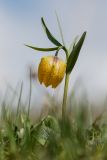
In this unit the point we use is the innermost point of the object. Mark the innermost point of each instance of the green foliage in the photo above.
(49, 139)
(75, 53)
(42, 49)
(49, 35)
(73, 44)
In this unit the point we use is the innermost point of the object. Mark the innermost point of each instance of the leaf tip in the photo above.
(42, 20)
(85, 33)
(26, 45)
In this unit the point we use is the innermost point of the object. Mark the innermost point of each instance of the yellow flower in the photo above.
(51, 71)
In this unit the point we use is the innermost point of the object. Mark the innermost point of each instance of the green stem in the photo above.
(65, 87)
(30, 93)
(65, 96)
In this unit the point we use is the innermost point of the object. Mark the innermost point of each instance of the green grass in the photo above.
(81, 137)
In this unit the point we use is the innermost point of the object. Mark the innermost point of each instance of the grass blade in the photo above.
(30, 93)
(19, 100)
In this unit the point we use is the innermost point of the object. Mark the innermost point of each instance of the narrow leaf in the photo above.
(42, 49)
(49, 35)
(60, 29)
(75, 53)
(73, 44)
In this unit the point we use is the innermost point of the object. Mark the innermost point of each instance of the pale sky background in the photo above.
(20, 23)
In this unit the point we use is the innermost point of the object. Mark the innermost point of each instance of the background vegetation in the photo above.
(26, 136)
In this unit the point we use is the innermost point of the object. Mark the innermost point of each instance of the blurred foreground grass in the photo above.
(82, 137)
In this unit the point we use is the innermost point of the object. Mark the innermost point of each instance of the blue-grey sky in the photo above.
(20, 23)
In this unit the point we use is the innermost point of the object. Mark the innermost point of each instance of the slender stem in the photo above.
(65, 96)
(66, 84)
(30, 92)
(19, 101)
(65, 88)
(56, 54)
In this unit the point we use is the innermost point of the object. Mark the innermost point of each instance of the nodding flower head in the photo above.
(51, 71)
